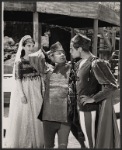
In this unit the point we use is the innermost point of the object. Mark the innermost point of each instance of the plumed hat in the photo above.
(81, 41)
(55, 47)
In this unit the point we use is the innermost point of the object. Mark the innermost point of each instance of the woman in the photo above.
(96, 87)
(25, 130)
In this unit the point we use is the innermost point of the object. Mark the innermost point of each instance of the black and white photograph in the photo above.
(61, 74)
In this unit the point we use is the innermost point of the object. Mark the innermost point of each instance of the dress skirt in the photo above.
(25, 130)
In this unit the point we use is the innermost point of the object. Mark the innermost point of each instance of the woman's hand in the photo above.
(86, 99)
(45, 53)
(24, 99)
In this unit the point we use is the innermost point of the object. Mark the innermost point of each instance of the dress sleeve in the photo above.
(37, 60)
(18, 70)
(105, 77)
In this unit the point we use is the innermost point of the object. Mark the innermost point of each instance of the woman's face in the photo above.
(29, 48)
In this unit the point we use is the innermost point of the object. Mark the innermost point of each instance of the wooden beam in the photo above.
(36, 29)
(108, 15)
(19, 6)
(94, 46)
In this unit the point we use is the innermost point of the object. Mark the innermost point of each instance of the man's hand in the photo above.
(85, 100)
(24, 99)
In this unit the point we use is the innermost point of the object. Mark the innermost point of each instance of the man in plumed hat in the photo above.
(95, 86)
(56, 106)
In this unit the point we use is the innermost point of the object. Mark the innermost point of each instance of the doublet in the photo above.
(56, 94)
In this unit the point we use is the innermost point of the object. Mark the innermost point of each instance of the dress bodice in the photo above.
(23, 69)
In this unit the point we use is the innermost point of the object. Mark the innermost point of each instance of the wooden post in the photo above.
(40, 34)
(3, 23)
(36, 29)
(94, 47)
(72, 32)
(107, 40)
(101, 47)
(113, 39)
(119, 65)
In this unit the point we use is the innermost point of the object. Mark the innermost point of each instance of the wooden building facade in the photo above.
(66, 14)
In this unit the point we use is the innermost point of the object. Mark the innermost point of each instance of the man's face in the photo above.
(75, 53)
(58, 57)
